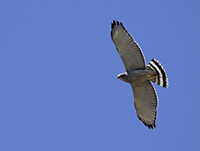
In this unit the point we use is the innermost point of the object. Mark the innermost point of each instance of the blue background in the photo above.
(58, 75)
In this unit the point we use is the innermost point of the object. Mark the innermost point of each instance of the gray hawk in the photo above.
(139, 75)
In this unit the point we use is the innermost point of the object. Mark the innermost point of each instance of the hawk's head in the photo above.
(123, 76)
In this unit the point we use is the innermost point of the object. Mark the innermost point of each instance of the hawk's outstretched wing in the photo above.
(128, 49)
(146, 102)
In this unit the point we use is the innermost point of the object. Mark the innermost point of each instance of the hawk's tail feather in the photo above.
(161, 78)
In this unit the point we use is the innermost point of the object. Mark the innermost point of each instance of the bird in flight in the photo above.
(139, 75)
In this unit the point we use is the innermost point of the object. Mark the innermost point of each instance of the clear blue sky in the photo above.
(58, 75)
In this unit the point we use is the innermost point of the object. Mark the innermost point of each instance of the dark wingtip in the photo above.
(150, 126)
(113, 24)
(116, 22)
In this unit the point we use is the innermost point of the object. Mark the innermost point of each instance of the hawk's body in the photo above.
(138, 74)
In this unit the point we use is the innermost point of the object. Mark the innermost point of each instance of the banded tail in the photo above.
(161, 78)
